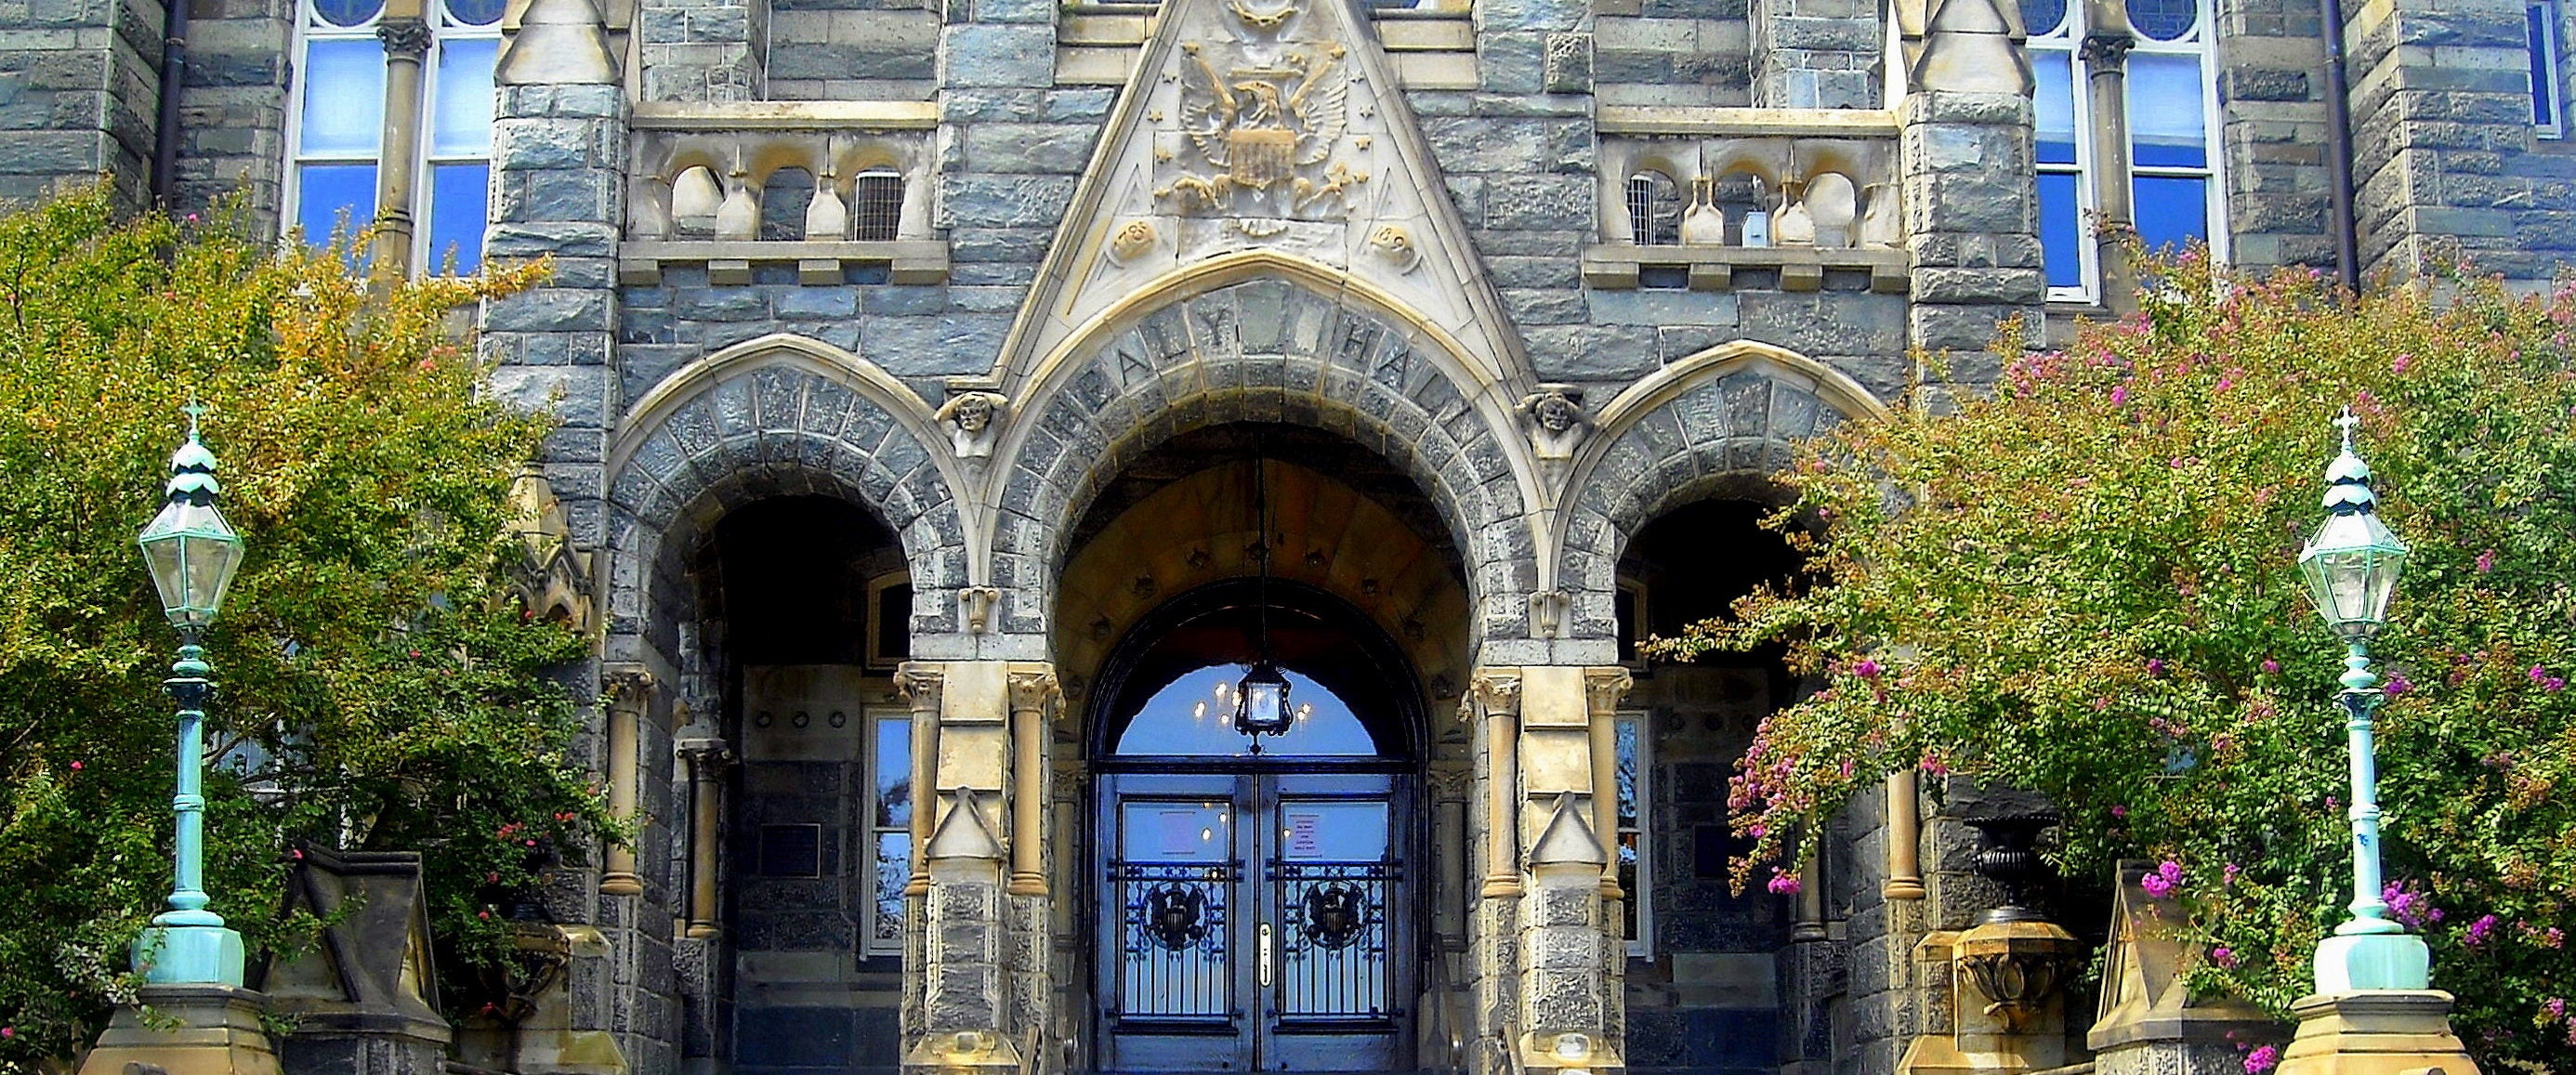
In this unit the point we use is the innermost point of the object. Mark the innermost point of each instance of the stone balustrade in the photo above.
(1698, 197)
(825, 186)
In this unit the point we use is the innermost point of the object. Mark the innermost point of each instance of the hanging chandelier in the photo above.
(1261, 704)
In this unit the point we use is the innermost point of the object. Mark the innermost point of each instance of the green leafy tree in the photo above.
(377, 686)
(2082, 584)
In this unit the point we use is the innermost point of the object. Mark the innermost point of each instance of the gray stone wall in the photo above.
(79, 88)
(852, 50)
(232, 107)
(2272, 93)
(1674, 52)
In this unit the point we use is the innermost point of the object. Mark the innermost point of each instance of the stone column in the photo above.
(708, 759)
(1498, 696)
(1031, 913)
(1602, 690)
(630, 697)
(2106, 68)
(1565, 1011)
(1033, 694)
(1493, 701)
(920, 683)
(406, 38)
(1904, 837)
(1974, 252)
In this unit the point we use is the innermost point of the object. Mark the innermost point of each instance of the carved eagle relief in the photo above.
(1264, 125)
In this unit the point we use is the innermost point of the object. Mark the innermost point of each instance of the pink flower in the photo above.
(2155, 666)
(2164, 882)
(1935, 766)
(2398, 684)
(2480, 930)
(2118, 810)
(2229, 874)
(8, 1031)
(2556, 1007)
(2271, 667)
(76, 767)
(2223, 956)
(2262, 1060)
(1866, 669)
(2402, 362)
(1782, 884)
(2486, 561)
(2119, 395)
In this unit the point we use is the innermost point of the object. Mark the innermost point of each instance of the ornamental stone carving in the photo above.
(1262, 119)
(1556, 423)
(973, 420)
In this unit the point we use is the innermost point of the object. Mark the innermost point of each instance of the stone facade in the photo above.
(1478, 293)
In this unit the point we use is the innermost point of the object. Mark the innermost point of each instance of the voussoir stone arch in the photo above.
(1723, 417)
(780, 415)
(1270, 348)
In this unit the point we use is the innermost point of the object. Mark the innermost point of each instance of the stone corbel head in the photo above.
(974, 421)
(1555, 420)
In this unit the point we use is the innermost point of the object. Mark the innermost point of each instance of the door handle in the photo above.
(1264, 955)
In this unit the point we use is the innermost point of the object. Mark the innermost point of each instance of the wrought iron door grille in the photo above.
(1333, 940)
(1175, 960)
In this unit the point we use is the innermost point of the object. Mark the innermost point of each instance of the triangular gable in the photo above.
(1263, 125)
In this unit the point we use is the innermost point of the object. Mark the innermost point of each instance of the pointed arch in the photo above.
(1731, 411)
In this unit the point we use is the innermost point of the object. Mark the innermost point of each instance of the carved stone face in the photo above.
(1556, 414)
(974, 412)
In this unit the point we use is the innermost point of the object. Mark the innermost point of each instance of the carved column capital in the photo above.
(1604, 688)
(404, 38)
(627, 687)
(1033, 689)
(921, 683)
(1496, 691)
(2106, 48)
(707, 758)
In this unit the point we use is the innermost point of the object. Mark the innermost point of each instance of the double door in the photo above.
(1254, 921)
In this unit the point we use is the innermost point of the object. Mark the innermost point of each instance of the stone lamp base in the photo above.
(2376, 1032)
(218, 1034)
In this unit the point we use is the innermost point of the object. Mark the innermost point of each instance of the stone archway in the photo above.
(1730, 413)
(1269, 350)
(782, 415)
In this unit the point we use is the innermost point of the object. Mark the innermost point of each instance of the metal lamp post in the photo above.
(192, 554)
(2350, 568)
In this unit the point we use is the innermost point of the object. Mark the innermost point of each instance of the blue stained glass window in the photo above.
(2164, 20)
(461, 123)
(2170, 209)
(2060, 228)
(458, 199)
(2039, 17)
(328, 191)
(475, 12)
(344, 97)
(2055, 100)
(347, 12)
(2168, 120)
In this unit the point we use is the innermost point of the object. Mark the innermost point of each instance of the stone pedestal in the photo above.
(357, 998)
(218, 1034)
(2149, 1023)
(2376, 1032)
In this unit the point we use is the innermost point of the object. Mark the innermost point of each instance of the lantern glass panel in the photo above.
(192, 553)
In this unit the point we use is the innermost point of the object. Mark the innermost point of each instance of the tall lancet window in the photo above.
(2170, 128)
(338, 136)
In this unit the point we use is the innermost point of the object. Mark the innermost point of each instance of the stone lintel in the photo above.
(1729, 122)
(786, 116)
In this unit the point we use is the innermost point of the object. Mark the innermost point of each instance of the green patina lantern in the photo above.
(2351, 565)
(192, 551)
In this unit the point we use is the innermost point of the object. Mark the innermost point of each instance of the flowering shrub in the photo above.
(376, 688)
(2082, 584)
